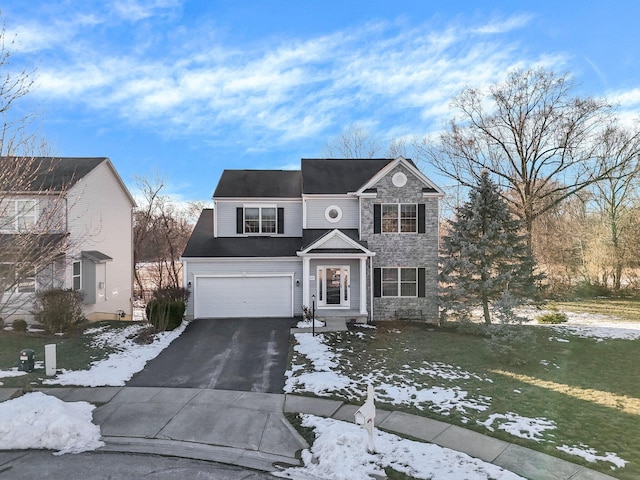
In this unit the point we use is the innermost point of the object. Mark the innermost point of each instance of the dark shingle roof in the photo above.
(336, 176)
(45, 173)
(259, 184)
(203, 244)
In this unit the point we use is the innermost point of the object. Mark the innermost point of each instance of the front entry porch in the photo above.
(335, 278)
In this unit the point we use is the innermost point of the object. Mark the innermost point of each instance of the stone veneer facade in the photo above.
(404, 249)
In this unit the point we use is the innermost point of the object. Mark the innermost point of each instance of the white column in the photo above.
(363, 286)
(305, 281)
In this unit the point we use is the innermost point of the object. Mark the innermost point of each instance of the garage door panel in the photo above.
(264, 296)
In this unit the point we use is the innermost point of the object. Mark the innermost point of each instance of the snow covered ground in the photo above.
(327, 374)
(36, 420)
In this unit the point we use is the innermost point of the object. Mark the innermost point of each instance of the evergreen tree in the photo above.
(486, 260)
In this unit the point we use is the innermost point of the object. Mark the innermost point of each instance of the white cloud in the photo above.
(285, 91)
(135, 10)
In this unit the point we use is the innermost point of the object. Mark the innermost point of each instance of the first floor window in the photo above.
(77, 275)
(399, 282)
(7, 276)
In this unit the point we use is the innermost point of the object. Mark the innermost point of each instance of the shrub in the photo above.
(586, 289)
(511, 344)
(19, 325)
(552, 318)
(166, 310)
(58, 310)
(165, 314)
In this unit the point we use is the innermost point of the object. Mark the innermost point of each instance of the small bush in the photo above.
(552, 318)
(59, 310)
(19, 325)
(165, 314)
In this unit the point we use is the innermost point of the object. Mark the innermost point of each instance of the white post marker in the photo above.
(366, 416)
(50, 359)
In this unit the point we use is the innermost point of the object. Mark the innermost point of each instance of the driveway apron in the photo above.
(238, 354)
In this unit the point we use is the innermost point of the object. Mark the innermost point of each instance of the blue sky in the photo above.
(184, 89)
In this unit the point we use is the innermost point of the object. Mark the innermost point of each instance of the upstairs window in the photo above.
(260, 220)
(399, 218)
(18, 215)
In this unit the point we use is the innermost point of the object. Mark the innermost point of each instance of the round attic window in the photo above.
(333, 213)
(399, 179)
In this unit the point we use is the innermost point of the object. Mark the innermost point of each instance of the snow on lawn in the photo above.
(590, 455)
(36, 420)
(589, 325)
(518, 426)
(120, 366)
(326, 458)
(14, 372)
(325, 379)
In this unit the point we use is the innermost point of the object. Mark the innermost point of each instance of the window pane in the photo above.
(252, 220)
(6, 276)
(408, 290)
(268, 220)
(408, 218)
(389, 274)
(7, 215)
(76, 268)
(408, 274)
(26, 214)
(390, 289)
(389, 218)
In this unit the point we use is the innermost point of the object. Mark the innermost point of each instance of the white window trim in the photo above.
(16, 214)
(328, 210)
(398, 282)
(73, 276)
(259, 207)
(399, 212)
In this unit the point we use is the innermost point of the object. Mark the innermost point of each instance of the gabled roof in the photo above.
(338, 176)
(46, 173)
(335, 241)
(259, 184)
(203, 244)
(429, 189)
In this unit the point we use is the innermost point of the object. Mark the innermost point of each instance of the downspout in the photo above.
(371, 289)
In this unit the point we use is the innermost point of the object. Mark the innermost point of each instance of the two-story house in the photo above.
(65, 223)
(355, 238)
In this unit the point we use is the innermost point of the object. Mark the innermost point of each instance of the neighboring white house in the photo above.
(355, 237)
(91, 230)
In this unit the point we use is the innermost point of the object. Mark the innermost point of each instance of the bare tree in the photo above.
(618, 151)
(534, 137)
(33, 237)
(161, 232)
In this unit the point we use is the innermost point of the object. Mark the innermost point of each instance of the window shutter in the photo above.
(377, 218)
(280, 220)
(239, 220)
(422, 290)
(377, 282)
(421, 218)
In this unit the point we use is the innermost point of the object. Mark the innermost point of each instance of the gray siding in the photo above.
(404, 250)
(316, 208)
(226, 216)
(246, 266)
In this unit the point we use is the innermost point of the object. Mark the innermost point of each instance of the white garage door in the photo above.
(223, 297)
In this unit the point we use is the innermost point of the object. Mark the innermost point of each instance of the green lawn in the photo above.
(589, 389)
(627, 309)
(73, 351)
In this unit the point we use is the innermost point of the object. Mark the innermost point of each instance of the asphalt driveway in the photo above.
(225, 354)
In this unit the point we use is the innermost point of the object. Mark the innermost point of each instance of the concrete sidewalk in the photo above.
(250, 430)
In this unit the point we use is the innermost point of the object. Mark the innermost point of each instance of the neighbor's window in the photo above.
(77, 275)
(17, 215)
(260, 220)
(26, 279)
(399, 218)
(7, 276)
(399, 282)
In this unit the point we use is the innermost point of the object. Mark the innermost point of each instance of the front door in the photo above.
(333, 286)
